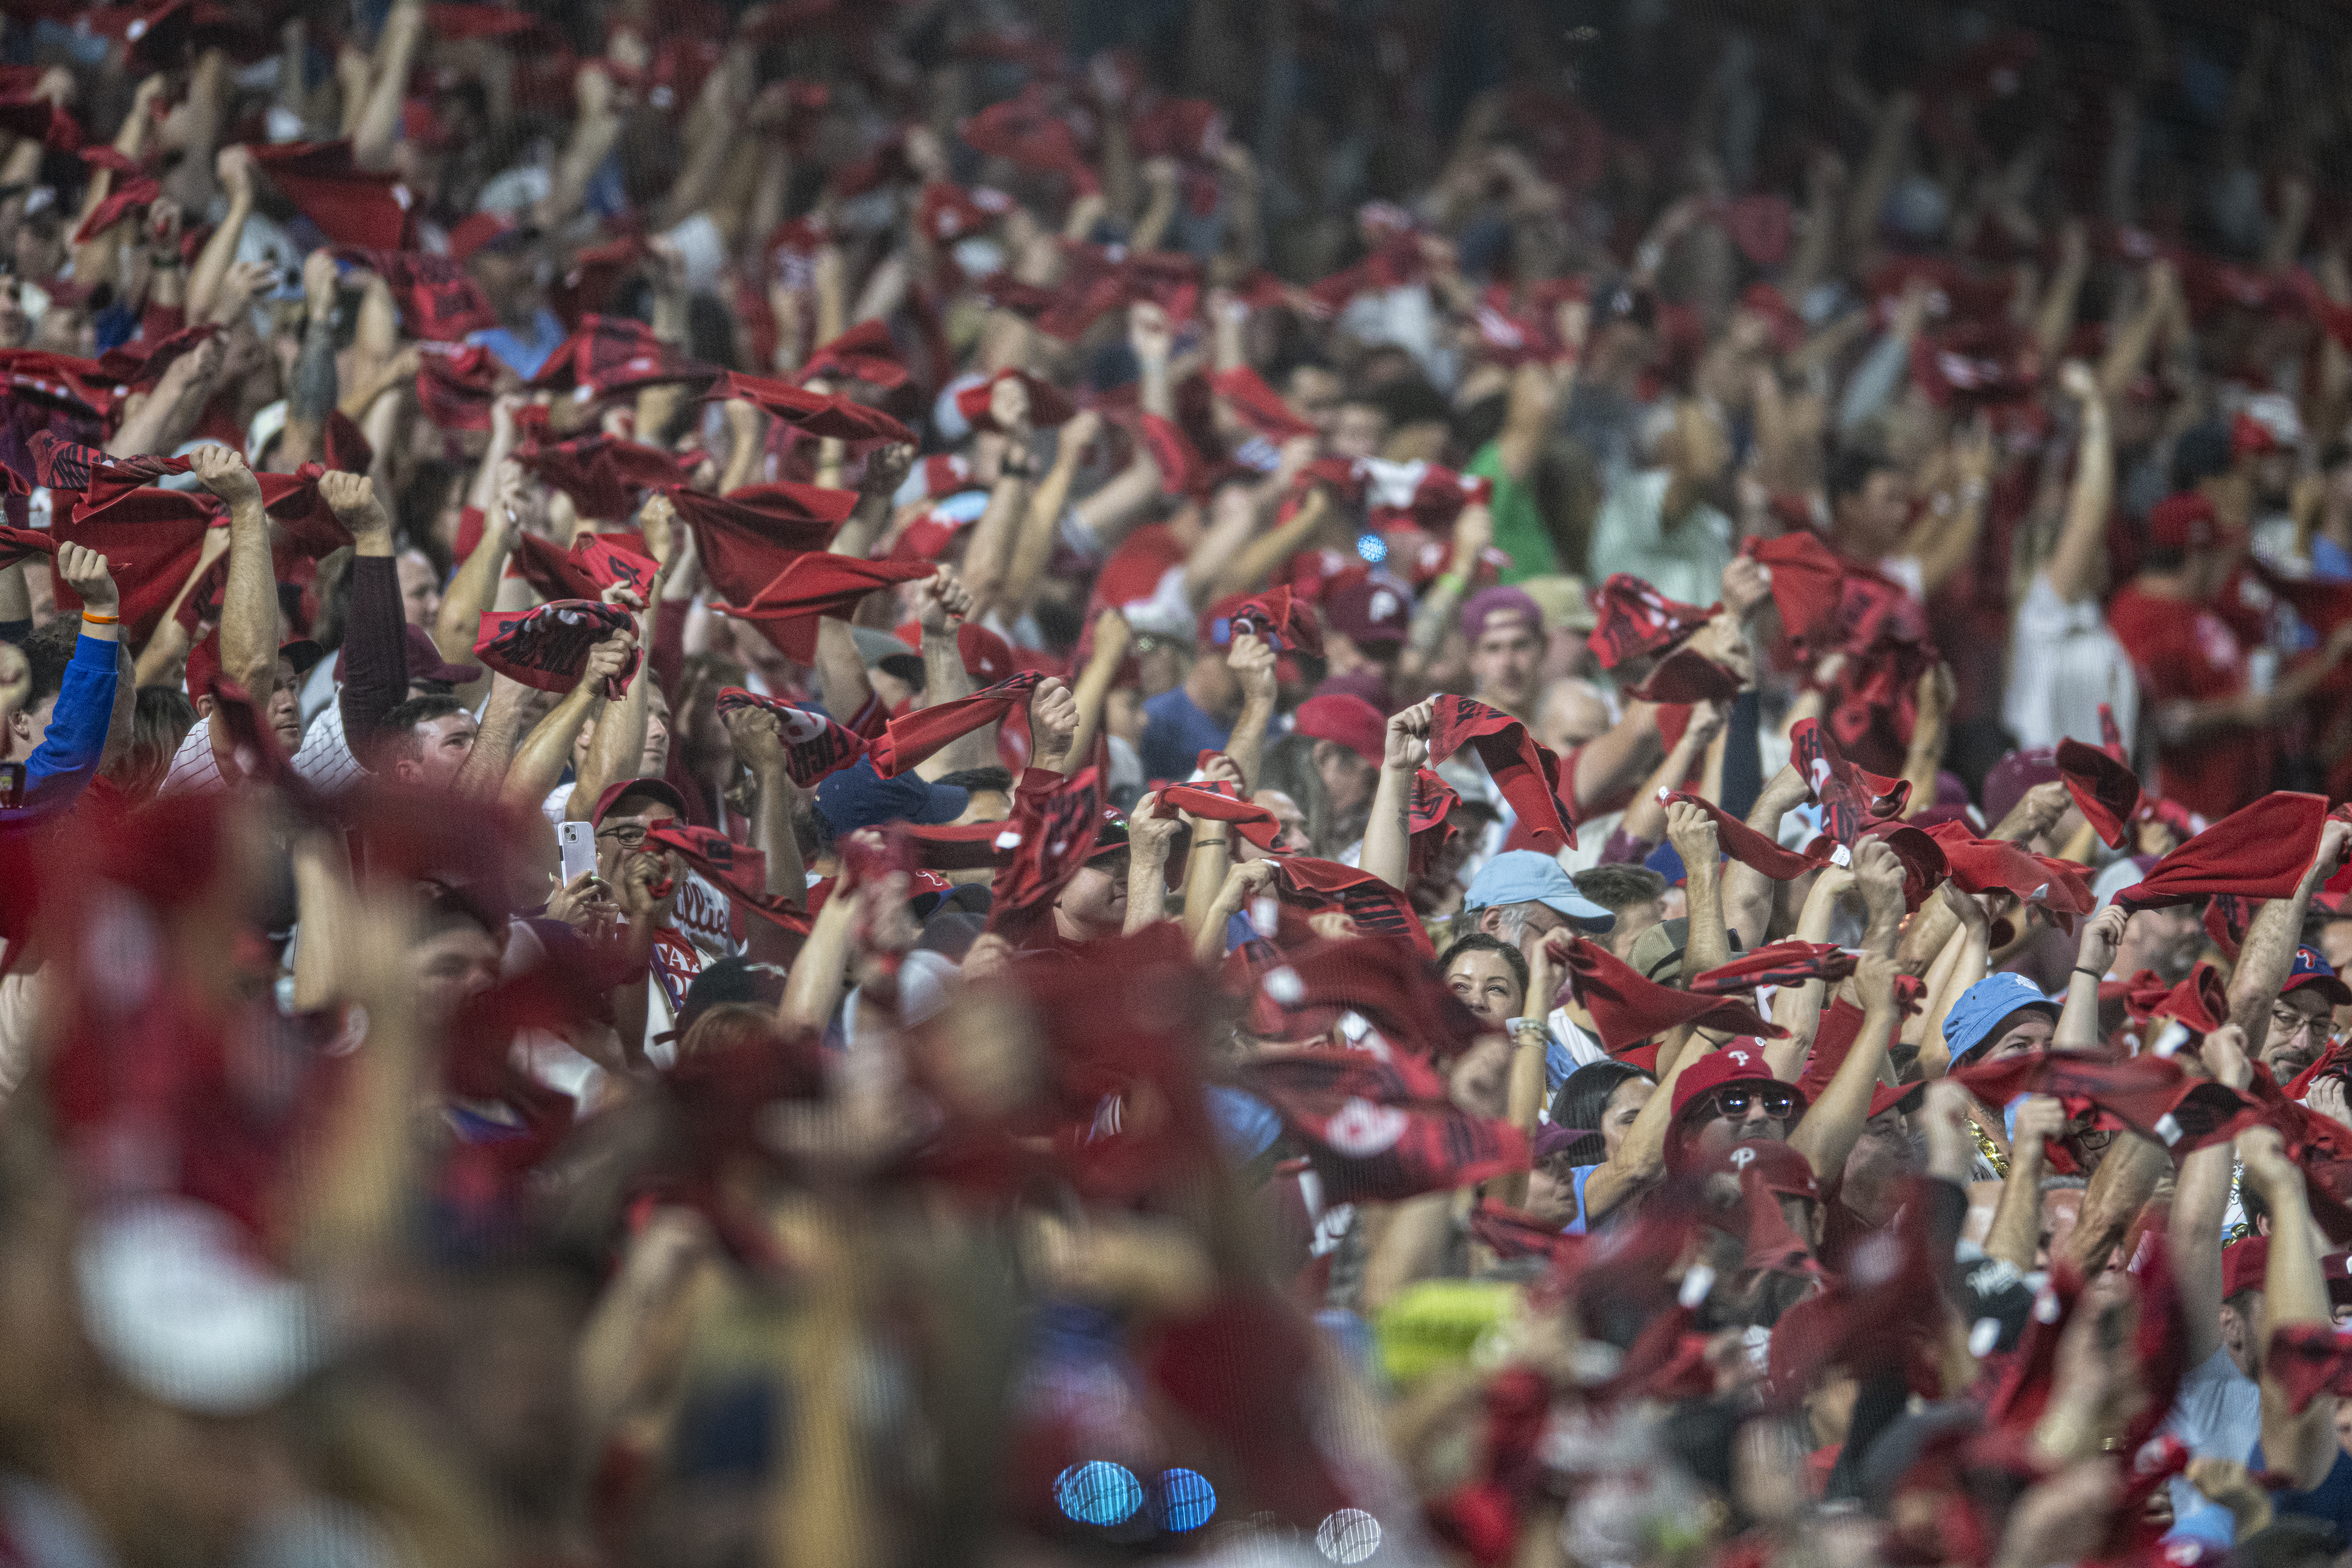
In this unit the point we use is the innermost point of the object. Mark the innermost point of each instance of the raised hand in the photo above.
(224, 472)
(941, 600)
(85, 571)
(351, 497)
(1252, 661)
(1408, 737)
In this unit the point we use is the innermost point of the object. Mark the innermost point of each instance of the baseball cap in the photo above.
(482, 230)
(1526, 877)
(1741, 1061)
(1488, 603)
(1889, 1097)
(1110, 838)
(2184, 521)
(1977, 1016)
(614, 793)
(425, 663)
(1780, 1168)
(204, 660)
(1369, 612)
(2244, 1265)
(2014, 774)
(2312, 970)
(1349, 721)
(857, 797)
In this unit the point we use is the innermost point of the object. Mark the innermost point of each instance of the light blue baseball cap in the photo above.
(1525, 877)
(1974, 1018)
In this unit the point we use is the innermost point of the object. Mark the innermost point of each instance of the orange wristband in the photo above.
(102, 620)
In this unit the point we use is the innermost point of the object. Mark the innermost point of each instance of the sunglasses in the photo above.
(1777, 1103)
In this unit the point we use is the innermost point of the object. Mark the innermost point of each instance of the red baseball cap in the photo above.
(2185, 521)
(1368, 612)
(2244, 1265)
(481, 230)
(204, 660)
(1780, 1168)
(656, 789)
(1740, 1061)
(1349, 721)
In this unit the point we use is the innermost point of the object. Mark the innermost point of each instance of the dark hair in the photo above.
(1409, 401)
(1479, 942)
(1851, 468)
(813, 831)
(49, 650)
(1582, 1099)
(2201, 452)
(1618, 887)
(161, 718)
(972, 780)
(400, 736)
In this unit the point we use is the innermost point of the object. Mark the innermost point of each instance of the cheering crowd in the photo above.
(933, 783)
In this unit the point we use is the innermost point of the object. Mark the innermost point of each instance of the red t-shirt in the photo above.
(2183, 651)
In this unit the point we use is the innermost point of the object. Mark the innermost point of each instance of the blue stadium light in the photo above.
(1187, 1498)
(1372, 548)
(1098, 1493)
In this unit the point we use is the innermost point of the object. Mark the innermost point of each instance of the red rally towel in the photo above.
(814, 746)
(547, 647)
(1527, 773)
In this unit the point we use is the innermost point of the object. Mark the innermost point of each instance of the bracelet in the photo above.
(1453, 582)
(1517, 1025)
(170, 260)
(102, 620)
(1202, 843)
(2091, 972)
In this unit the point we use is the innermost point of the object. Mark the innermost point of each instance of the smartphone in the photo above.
(12, 785)
(578, 840)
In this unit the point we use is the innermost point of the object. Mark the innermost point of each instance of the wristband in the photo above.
(155, 259)
(1453, 582)
(102, 620)
(2091, 972)
(1516, 1025)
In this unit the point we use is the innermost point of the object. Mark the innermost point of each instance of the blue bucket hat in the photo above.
(1976, 1017)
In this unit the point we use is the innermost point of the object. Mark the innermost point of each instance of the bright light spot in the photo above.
(1098, 1493)
(1349, 1535)
(1372, 548)
(1188, 1498)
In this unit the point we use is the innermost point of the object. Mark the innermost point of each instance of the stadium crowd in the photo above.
(1338, 780)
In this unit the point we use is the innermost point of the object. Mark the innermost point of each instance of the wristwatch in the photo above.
(1516, 1025)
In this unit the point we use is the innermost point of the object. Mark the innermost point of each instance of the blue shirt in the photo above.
(1175, 733)
(65, 762)
(523, 355)
(2331, 1499)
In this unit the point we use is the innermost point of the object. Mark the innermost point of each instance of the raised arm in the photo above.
(375, 652)
(248, 626)
(395, 49)
(616, 750)
(2302, 1446)
(1032, 544)
(1747, 893)
(2200, 1198)
(539, 763)
(2083, 539)
(760, 743)
(474, 587)
(941, 601)
(2269, 951)
(1387, 833)
(1834, 1122)
(1252, 662)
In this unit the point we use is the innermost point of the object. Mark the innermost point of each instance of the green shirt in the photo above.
(1519, 530)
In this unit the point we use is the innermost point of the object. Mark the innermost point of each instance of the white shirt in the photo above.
(2063, 663)
(325, 758)
(2219, 1414)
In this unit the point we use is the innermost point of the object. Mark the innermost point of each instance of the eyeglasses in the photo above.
(2287, 1023)
(1777, 1103)
(628, 835)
